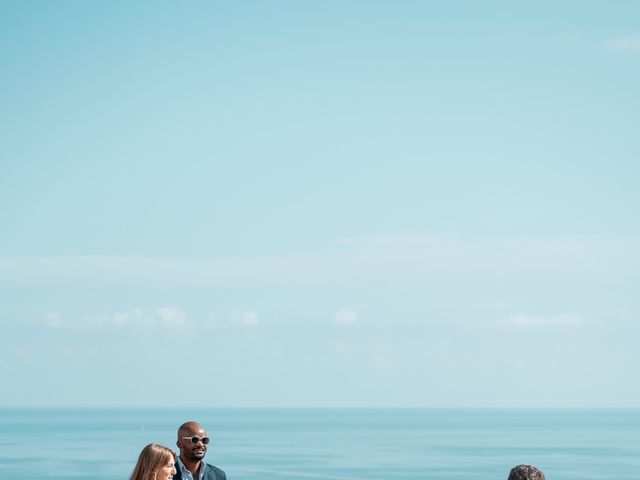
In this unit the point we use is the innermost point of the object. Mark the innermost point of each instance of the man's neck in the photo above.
(193, 467)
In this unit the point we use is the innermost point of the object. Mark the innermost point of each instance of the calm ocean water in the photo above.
(341, 444)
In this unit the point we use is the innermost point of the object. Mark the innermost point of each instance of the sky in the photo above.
(320, 204)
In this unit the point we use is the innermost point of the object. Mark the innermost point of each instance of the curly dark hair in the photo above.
(525, 472)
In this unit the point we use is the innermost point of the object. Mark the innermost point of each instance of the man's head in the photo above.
(525, 472)
(192, 441)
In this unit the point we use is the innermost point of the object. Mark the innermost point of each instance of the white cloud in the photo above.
(53, 320)
(345, 316)
(630, 43)
(210, 321)
(169, 317)
(562, 320)
(247, 318)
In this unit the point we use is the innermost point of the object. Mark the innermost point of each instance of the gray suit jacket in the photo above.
(210, 473)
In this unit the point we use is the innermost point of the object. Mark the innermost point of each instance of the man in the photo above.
(192, 442)
(525, 472)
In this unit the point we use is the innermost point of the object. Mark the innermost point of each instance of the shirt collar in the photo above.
(187, 473)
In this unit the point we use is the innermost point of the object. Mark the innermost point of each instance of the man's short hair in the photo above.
(525, 472)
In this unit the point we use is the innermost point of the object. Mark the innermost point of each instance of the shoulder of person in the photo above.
(219, 474)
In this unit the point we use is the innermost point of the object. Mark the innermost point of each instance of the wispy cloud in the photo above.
(523, 321)
(378, 256)
(246, 318)
(54, 320)
(630, 43)
(345, 316)
(169, 317)
(494, 306)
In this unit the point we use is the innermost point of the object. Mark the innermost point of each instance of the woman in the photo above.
(155, 463)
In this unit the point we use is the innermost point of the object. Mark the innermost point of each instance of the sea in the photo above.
(332, 444)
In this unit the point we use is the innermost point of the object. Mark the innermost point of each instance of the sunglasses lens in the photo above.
(205, 440)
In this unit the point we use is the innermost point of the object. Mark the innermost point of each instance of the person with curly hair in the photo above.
(525, 472)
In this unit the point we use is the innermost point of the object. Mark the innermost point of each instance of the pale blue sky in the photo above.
(320, 203)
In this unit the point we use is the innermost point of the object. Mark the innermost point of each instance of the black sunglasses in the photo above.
(194, 440)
